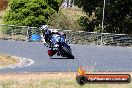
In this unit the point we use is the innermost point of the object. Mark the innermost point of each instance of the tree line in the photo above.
(30, 12)
(118, 15)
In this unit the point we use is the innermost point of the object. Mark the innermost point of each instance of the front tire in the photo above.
(67, 52)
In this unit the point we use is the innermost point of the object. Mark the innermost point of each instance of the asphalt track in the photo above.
(93, 58)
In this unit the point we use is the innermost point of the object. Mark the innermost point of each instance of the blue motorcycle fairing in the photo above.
(55, 39)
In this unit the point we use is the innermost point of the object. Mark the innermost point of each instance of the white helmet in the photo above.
(44, 27)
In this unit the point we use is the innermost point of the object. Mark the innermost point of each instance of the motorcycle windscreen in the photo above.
(57, 38)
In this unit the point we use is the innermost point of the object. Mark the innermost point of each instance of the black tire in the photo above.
(70, 57)
(81, 80)
(67, 52)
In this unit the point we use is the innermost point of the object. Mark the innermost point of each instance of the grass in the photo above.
(73, 13)
(1, 18)
(1, 15)
(49, 80)
(13, 37)
(6, 60)
(72, 16)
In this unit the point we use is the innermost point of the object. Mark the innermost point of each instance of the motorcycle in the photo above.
(60, 46)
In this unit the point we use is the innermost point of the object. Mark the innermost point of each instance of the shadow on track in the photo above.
(61, 58)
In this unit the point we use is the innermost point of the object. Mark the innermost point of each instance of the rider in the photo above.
(47, 33)
(46, 37)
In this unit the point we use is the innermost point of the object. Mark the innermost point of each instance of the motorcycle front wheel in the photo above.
(67, 52)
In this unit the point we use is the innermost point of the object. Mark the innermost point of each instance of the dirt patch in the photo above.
(6, 60)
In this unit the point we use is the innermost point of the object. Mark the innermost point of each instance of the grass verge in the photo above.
(49, 80)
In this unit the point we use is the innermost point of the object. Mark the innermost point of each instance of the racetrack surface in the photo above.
(93, 58)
